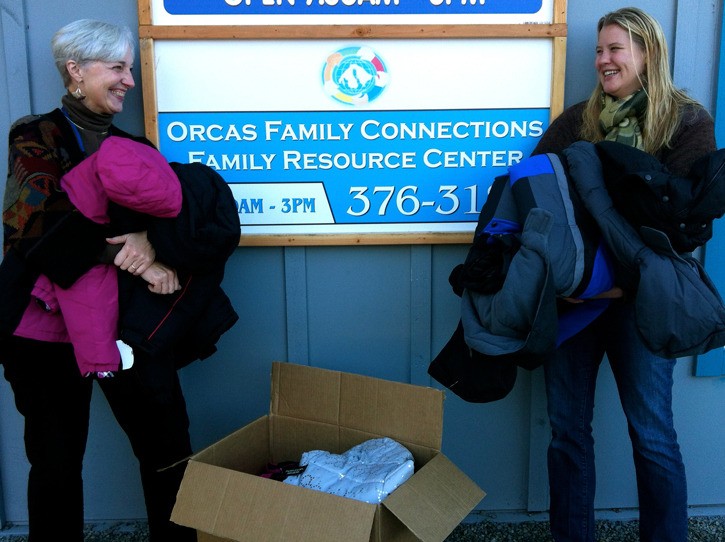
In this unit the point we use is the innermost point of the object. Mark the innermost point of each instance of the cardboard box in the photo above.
(224, 499)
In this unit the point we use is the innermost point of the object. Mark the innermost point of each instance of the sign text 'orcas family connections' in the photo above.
(355, 168)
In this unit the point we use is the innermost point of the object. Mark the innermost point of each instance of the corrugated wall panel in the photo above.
(377, 310)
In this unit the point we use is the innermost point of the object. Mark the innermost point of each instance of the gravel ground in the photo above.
(702, 529)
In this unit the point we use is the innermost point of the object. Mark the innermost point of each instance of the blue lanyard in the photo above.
(75, 130)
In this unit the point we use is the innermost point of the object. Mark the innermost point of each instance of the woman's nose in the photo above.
(128, 79)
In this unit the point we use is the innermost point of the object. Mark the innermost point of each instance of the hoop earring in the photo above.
(78, 93)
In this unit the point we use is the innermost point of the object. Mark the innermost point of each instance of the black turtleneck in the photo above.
(93, 127)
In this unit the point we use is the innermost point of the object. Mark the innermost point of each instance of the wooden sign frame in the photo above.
(149, 33)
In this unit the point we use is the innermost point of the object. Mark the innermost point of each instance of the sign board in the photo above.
(350, 121)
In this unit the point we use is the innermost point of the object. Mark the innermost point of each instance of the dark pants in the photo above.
(55, 400)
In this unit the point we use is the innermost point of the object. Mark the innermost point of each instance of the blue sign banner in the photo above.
(350, 7)
(359, 167)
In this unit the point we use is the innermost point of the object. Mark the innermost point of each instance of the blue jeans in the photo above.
(644, 382)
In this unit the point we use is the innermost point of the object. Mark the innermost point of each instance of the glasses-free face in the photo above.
(619, 62)
(104, 83)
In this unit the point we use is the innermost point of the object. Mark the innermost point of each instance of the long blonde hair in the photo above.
(665, 102)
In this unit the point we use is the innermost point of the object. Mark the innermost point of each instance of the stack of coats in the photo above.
(573, 226)
(191, 220)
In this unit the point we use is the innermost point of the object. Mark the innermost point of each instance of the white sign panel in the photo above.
(376, 136)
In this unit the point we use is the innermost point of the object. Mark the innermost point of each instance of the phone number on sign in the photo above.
(405, 200)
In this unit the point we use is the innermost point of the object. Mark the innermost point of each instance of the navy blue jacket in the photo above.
(678, 310)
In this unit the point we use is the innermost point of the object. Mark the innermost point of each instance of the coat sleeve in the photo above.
(523, 313)
(206, 231)
(694, 139)
(40, 222)
(562, 132)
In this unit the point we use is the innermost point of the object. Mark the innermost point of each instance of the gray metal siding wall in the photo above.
(376, 310)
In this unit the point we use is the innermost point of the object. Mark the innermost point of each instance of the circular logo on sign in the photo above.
(354, 75)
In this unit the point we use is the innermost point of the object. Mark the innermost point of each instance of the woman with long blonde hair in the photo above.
(635, 103)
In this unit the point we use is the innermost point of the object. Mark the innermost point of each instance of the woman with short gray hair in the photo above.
(44, 235)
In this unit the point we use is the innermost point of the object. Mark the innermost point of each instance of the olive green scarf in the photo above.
(620, 118)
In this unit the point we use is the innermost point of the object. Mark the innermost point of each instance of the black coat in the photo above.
(186, 325)
(678, 310)
(508, 317)
(646, 193)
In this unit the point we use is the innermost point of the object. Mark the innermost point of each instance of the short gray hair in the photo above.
(87, 40)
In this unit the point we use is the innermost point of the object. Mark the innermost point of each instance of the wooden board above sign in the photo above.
(341, 122)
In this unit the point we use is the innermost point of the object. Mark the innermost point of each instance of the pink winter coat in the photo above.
(135, 176)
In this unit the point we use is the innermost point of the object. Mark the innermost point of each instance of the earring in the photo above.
(78, 93)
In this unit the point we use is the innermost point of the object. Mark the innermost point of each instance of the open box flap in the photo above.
(403, 412)
(435, 500)
(241, 507)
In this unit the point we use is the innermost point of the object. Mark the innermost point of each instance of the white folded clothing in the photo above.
(367, 472)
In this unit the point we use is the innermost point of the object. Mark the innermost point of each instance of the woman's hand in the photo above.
(137, 253)
(161, 279)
